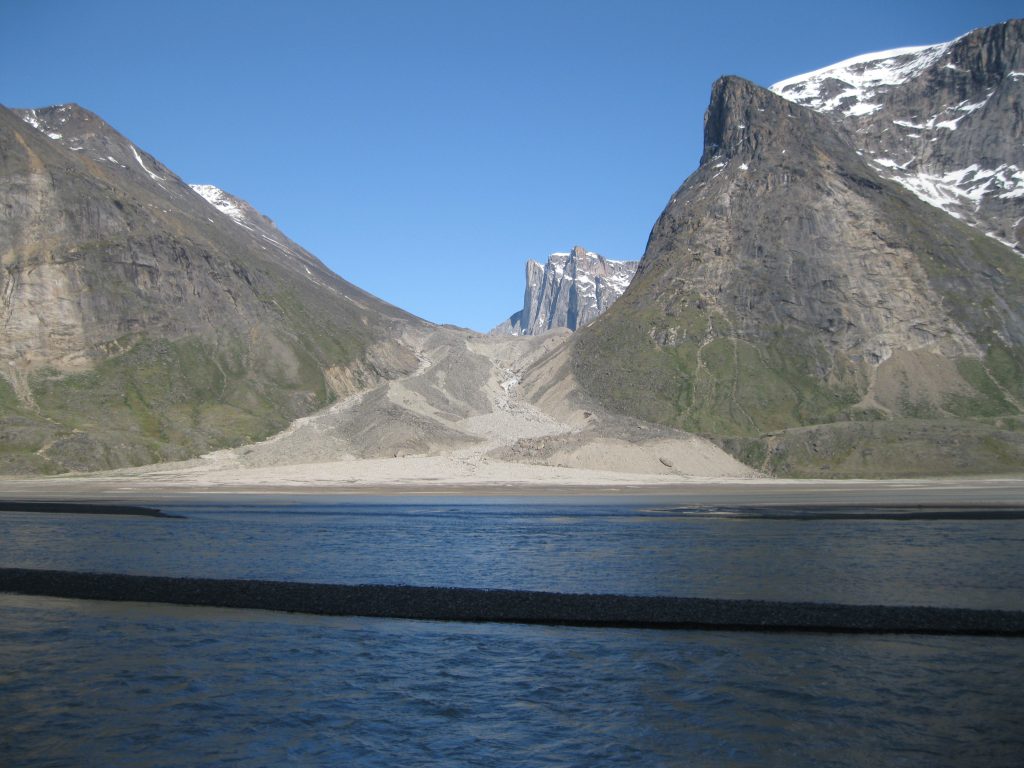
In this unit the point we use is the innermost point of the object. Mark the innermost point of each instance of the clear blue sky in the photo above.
(425, 150)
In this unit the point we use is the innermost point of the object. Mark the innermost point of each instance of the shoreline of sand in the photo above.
(427, 478)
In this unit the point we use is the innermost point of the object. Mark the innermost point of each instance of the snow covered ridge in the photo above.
(852, 85)
(220, 200)
(938, 120)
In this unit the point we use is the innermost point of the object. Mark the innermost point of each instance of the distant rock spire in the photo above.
(569, 291)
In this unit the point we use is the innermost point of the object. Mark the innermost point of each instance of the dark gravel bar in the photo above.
(81, 508)
(514, 606)
(807, 513)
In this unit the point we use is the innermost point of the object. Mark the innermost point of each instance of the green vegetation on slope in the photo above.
(887, 449)
(682, 368)
(170, 400)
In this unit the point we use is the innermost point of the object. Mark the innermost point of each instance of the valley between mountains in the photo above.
(836, 292)
(479, 412)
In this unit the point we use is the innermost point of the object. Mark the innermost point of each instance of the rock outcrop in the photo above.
(138, 322)
(789, 284)
(945, 121)
(569, 291)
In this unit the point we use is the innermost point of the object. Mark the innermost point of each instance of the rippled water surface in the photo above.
(562, 547)
(109, 684)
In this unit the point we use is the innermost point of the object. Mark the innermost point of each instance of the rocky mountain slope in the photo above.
(569, 291)
(142, 319)
(814, 316)
(945, 121)
(146, 320)
(468, 415)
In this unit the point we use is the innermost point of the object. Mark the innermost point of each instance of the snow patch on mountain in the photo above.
(138, 158)
(267, 236)
(30, 117)
(220, 200)
(937, 119)
(953, 189)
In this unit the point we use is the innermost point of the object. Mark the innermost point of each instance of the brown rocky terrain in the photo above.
(788, 284)
(147, 320)
(138, 322)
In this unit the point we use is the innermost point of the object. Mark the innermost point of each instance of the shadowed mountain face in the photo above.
(788, 284)
(142, 319)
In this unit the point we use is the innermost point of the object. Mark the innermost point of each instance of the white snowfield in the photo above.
(863, 77)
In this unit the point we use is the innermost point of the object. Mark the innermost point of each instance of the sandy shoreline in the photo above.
(309, 486)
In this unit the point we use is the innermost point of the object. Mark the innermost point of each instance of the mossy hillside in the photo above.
(988, 398)
(981, 282)
(645, 379)
(168, 400)
(9, 401)
(316, 342)
(887, 449)
(1005, 365)
(23, 433)
(755, 402)
(682, 368)
(175, 399)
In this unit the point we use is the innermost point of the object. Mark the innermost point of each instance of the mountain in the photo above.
(142, 319)
(945, 121)
(813, 316)
(569, 291)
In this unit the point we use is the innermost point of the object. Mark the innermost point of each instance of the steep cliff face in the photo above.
(569, 291)
(788, 284)
(138, 322)
(945, 121)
